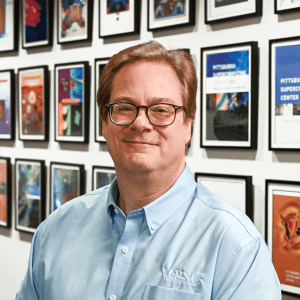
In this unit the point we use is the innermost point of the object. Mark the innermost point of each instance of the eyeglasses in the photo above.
(159, 114)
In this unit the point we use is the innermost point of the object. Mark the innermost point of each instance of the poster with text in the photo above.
(285, 95)
(227, 97)
(33, 103)
(6, 105)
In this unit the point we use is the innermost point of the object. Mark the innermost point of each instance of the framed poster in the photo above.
(30, 194)
(229, 99)
(34, 103)
(227, 10)
(102, 176)
(37, 23)
(119, 17)
(283, 231)
(7, 105)
(9, 11)
(72, 102)
(170, 13)
(99, 66)
(5, 192)
(75, 20)
(66, 183)
(284, 94)
(285, 6)
(234, 189)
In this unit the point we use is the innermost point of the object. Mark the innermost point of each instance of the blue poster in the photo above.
(287, 75)
(228, 64)
(35, 20)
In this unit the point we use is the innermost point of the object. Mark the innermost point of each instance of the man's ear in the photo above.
(104, 129)
(188, 127)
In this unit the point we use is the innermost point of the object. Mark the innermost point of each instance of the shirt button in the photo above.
(116, 211)
(125, 250)
(113, 297)
(153, 226)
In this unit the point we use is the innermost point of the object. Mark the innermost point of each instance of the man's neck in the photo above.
(137, 190)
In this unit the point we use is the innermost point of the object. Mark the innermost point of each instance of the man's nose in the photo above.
(142, 122)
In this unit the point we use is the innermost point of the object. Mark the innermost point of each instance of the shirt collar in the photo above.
(160, 210)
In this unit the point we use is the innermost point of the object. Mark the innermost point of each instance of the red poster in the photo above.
(3, 197)
(286, 238)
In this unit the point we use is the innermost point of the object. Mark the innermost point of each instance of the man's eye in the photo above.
(161, 109)
(124, 108)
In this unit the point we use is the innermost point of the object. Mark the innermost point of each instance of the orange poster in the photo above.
(3, 197)
(286, 237)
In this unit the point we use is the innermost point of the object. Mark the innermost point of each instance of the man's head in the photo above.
(143, 78)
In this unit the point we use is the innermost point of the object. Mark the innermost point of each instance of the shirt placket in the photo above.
(123, 257)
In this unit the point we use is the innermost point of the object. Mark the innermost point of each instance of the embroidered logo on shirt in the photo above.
(182, 276)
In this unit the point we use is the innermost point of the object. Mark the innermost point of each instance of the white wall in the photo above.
(261, 164)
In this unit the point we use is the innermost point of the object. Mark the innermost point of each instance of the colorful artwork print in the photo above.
(70, 106)
(29, 195)
(7, 25)
(36, 20)
(104, 178)
(2, 18)
(219, 3)
(5, 106)
(73, 18)
(32, 102)
(65, 186)
(117, 6)
(3, 191)
(100, 69)
(286, 238)
(166, 9)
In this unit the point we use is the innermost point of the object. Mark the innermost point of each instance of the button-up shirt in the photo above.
(187, 244)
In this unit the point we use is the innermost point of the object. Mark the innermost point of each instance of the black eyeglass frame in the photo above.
(108, 106)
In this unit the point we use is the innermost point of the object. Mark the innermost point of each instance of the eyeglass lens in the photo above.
(159, 114)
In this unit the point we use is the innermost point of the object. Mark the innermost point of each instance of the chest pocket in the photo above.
(162, 293)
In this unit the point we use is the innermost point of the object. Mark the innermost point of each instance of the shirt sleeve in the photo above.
(29, 286)
(247, 274)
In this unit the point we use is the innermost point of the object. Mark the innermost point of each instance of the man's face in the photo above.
(142, 147)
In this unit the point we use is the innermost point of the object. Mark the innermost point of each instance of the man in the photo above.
(154, 233)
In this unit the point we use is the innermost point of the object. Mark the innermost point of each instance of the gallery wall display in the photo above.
(5, 192)
(284, 94)
(72, 100)
(119, 17)
(99, 66)
(9, 10)
(30, 194)
(34, 103)
(286, 6)
(283, 231)
(234, 189)
(66, 183)
(102, 176)
(37, 23)
(170, 14)
(227, 10)
(7, 105)
(75, 20)
(229, 98)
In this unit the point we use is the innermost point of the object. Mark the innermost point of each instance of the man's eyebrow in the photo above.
(152, 100)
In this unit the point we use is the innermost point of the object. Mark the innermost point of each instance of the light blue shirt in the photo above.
(187, 244)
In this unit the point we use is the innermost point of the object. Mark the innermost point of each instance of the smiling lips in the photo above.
(140, 143)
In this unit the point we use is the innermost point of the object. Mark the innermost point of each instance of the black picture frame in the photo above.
(33, 103)
(284, 102)
(7, 104)
(282, 207)
(37, 24)
(75, 22)
(5, 192)
(102, 176)
(116, 20)
(10, 31)
(72, 113)
(241, 197)
(100, 63)
(229, 96)
(282, 8)
(30, 179)
(223, 12)
(165, 15)
(73, 183)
